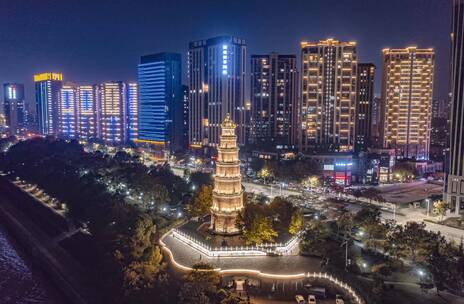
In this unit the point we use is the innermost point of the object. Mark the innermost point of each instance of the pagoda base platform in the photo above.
(197, 235)
(201, 231)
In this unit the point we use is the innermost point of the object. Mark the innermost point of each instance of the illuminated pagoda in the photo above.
(227, 192)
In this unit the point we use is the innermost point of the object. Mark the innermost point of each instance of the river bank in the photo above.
(61, 269)
(20, 280)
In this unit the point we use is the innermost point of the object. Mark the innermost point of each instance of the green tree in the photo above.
(345, 224)
(440, 208)
(374, 235)
(201, 203)
(259, 231)
(367, 215)
(314, 239)
(200, 285)
(296, 223)
(142, 274)
(404, 171)
(282, 210)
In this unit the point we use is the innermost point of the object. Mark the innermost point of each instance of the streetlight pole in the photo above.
(346, 255)
(428, 206)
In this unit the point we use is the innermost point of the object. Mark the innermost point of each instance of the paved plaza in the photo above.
(288, 265)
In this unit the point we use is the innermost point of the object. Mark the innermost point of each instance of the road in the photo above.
(402, 216)
(270, 191)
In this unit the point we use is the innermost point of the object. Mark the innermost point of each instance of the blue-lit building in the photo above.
(160, 110)
(13, 107)
(132, 111)
(185, 116)
(47, 95)
(67, 112)
(216, 71)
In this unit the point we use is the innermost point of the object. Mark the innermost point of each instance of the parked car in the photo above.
(311, 299)
(318, 291)
(299, 299)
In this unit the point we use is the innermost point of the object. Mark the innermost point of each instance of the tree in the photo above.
(314, 239)
(200, 285)
(313, 181)
(160, 194)
(367, 215)
(439, 208)
(198, 179)
(296, 223)
(260, 231)
(265, 173)
(345, 225)
(374, 235)
(142, 274)
(445, 267)
(282, 210)
(201, 203)
(412, 241)
(404, 171)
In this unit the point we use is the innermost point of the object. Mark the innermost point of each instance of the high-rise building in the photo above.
(161, 101)
(365, 98)
(14, 107)
(328, 96)
(67, 112)
(185, 116)
(407, 86)
(440, 108)
(47, 95)
(87, 108)
(112, 112)
(274, 99)
(454, 189)
(216, 70)
(132, 111)
(375, 122)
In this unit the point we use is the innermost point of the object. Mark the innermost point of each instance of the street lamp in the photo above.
(428, 206)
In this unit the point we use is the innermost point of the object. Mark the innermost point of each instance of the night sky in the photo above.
(91, 41)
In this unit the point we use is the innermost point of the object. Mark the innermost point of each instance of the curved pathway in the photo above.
(290, 267)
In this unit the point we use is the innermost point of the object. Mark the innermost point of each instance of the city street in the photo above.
(402, 216)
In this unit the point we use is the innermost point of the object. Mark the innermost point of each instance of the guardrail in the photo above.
(299, 276)
(231, 251)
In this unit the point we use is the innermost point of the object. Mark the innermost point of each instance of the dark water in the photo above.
(20, 281)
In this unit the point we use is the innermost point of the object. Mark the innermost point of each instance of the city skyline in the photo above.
(418, 23)
(232, 152)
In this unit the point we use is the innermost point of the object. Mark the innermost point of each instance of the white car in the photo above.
(311, 299)
(299, 299)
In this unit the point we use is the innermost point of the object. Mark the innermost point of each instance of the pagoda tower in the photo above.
(227, 192)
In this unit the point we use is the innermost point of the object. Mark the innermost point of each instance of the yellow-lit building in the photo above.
(328, 96)
(406, 109)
